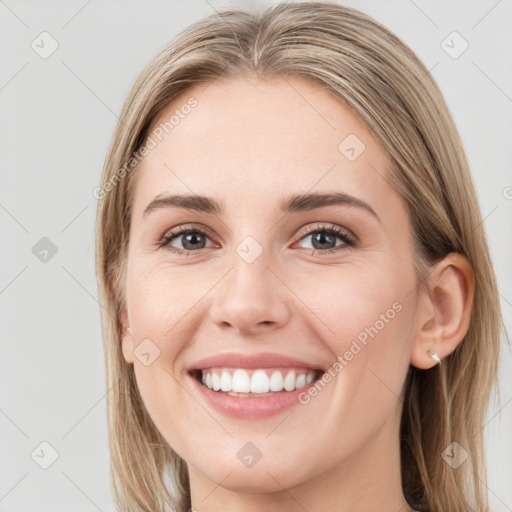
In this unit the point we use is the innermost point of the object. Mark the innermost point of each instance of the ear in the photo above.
(126, 338)
(444, 314)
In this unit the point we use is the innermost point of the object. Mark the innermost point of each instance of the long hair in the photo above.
(380, 78)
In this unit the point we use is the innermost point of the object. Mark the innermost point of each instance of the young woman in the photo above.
(301, 308)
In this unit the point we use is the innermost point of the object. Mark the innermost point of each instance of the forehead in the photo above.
(251, 138)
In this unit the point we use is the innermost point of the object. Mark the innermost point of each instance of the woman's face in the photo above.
(300, 286)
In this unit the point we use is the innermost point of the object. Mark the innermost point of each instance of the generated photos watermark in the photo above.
(358, 343)
(152, 140)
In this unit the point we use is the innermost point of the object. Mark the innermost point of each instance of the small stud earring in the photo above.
(128, 331)
(434, 355)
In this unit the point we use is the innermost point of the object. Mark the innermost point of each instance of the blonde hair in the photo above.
(382, 80)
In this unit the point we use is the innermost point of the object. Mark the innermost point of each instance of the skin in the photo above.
(249, 143)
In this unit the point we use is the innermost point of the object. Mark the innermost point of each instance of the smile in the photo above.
(243, 382)
(252, 404)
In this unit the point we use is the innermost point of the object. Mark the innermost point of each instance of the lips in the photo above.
(252, 386)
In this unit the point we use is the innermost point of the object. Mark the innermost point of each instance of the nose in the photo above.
(251, 299)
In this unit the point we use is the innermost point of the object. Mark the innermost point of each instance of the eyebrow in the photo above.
(295, 203)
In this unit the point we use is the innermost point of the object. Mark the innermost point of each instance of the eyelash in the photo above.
(331, 229)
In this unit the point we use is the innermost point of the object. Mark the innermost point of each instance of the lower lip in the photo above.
(250, 407)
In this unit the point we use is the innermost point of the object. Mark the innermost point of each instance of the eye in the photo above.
(192, 239)
(323, 239)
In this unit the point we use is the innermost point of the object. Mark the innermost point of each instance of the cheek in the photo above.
(158, 303)
(365, 317)
(155, 306)
(375, 353)
(354, 302)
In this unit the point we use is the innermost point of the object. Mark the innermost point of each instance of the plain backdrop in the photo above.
(57, 117)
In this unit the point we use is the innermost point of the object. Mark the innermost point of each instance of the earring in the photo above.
(434, 355)
(127, 331)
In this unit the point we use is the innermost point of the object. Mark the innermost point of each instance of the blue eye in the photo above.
(323, 236)
(194, 239)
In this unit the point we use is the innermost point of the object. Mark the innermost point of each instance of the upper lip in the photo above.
(259, 360)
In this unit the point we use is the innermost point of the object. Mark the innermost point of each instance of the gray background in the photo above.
(58, 116)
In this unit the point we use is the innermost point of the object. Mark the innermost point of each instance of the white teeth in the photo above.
(216, 382)
(241, 382)
(222, 379)
(289, 381)
(301, 381)
(276, 381)
(225, 381)
(260, 383)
